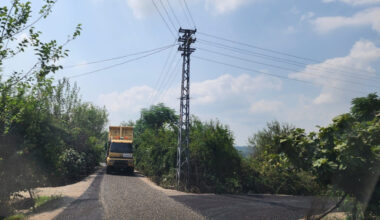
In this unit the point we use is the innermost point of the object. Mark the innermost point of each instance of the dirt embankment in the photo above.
(66, 195)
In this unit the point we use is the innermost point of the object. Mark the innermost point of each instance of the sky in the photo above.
(295, 61)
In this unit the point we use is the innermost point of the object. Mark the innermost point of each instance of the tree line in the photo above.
(48, 135)
(340, 160)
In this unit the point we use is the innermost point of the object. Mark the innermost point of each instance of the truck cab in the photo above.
(120, 149)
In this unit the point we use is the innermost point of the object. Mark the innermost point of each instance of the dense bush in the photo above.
(71, 164)
(271, 168)
(47, 134)
(214, 161)
(342, 158)
(344, 154)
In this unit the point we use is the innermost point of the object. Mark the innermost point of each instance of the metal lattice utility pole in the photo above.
(183, 160)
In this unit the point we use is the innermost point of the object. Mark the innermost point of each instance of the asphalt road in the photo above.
(118, 196)
(129, 197)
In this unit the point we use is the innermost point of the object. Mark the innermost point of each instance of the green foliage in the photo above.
(156, 142)
(155, 117)
(269, 170)
(71, 164)
(266, 141)
(345, 154)
(156, 152)
(47, 134)
(42, 200)
(214, 161)
(365, 108)
(16, 217)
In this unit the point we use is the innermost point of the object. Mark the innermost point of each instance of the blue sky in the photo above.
(343, 36)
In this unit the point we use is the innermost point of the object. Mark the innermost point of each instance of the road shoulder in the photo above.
(68, 194)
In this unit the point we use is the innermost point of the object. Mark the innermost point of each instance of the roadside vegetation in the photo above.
(48, 135)
(341, 160)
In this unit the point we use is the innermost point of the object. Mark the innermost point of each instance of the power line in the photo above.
(287, 69)
(175, 16)
(162, 17)
(278, 59)
(167, 14)
(256, 47)
(188, 10)
(270, 50)
(161, 73)
(158, 82)
(117, 64)
(170, 80)
(184, 11)
(167, 73)
(116, 58)
(274, 75)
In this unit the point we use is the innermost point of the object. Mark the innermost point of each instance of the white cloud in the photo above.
(141, 8)
(307, 16)
(290, 30)
(130, 101)
(203, 93)
(224, 6)
(368, 17)
(294, 10)
(337, 72)
(229, 87)
(219, 98)
(225, 88)
(355, 2)
(264, 106)
(144, 8)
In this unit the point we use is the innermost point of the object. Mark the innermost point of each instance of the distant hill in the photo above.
(245, 151)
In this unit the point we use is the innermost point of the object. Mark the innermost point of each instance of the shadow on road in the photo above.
(250, 206)
(88, 205)
(121, 173)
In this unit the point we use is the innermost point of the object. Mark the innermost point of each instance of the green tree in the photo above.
(215, 163)
(345, 154)
(155, 117)
(47, 134)
(272, 169)
(365, 108)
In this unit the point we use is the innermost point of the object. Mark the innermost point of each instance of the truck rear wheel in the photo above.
(130, 170)
(108, 170)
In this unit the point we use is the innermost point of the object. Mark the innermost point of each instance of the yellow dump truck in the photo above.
(119, 149)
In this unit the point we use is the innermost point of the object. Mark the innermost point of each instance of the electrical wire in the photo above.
(161, 73)
(167, 73)
(170, 81)
(117, 64)
(184, 12)
(117, 58)
(167, 14)
(278, 59)
(270, 50)
(163, 19)
(175, 16)
(275, 75)
(288, 69)
(188, 10)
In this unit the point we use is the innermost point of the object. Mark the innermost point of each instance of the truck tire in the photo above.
(130, 171)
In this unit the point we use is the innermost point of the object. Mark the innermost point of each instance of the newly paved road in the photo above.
(117, 196)
(130, 197)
